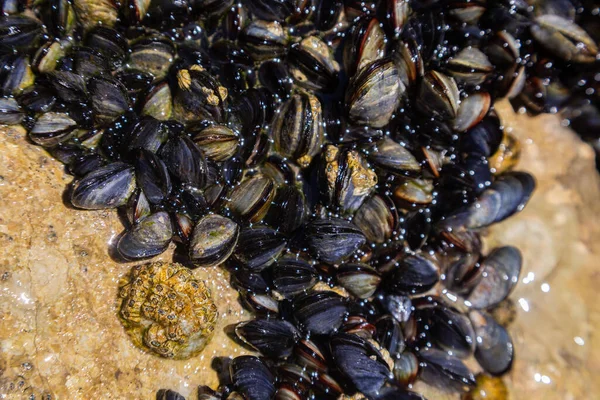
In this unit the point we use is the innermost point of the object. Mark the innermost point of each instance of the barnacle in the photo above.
(166, 311)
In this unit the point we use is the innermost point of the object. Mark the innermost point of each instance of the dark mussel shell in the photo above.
(292, 276)
(414, 274)
(213, 240)
(148, 238)
(438, 96)
(52, 128)
(148, 134)
(258, 247)
(289, 209)
(10, 112)
(495, 350)
(251, 377)
(360, 362)
(185, 161)
(377, 218)
(346, 179)
(447, 372)
(320, 313)
(106, 187)
(18, 32)
(374, 93)
(452, 331)
(297, 128)
(333, 240)
(312, 65)
(168, 394)
(251, 199)
(274, 338)
(152, 176)
(389, 335)
(500, 274)
(197, 95)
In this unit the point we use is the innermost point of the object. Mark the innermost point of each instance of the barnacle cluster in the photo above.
(166, 311)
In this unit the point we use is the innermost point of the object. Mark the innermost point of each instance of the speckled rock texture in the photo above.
(60, 335)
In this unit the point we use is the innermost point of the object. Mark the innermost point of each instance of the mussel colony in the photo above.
(340, 158)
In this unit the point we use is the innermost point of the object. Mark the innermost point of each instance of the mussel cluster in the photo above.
(339, 157)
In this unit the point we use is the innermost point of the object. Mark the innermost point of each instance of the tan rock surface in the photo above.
(59, 334)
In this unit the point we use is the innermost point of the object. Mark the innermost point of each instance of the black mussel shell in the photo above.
(500, 274)
(308, 354)
(451, 331)
(52, 128)
(258, 247)
(148, 238)
(250, 281)
(320, 313)
(333, 240)
(292, 276)
(168, 394)
(447, 372)
(389, 335)
(185, 161)
(213, 240)
(10, 111)
(288, 210)
(360, 362)
(414, 274)
(251, 377)
(274, 338)
(107, 187)
(495, 350)
(251, 199)
(148, 134)
(152, 176)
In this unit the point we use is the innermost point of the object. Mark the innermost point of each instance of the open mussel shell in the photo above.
(52, 128)
(138, 207)
(500, 274)
(333, 240)
(292, 276)
(10, 112)
(213, 240)
(252, 378)
(495, 350)
(273, 338)
(320, 312)
(312, 65)
(360, 280)
(106, 187)
(377, 218)
(308, 354)
(440, 369)
(260, 304)
(438, 96)
(360, 362)
(218, 142)
(258, 247)
(148, 238)
(374, 93)
(297, 128)
(414, 274)
(346, 178)
(251, 199)
(564, 39)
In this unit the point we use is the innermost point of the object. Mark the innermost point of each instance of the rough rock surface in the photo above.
(59, 334)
